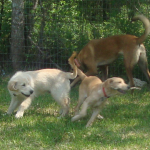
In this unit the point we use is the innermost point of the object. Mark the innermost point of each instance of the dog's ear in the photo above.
(12, 85)
(111, 81)
(112, 85)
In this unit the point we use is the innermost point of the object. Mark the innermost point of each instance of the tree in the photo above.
(17, 33)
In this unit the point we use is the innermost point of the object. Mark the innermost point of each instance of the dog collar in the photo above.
(77, 63)
(104, 92)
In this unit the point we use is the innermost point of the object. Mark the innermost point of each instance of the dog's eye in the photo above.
(24, 84)
(119, 82)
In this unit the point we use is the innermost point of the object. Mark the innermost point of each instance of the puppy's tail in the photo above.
(74, 67)
(146, 25)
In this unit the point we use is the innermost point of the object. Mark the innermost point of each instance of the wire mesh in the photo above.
(52, 30)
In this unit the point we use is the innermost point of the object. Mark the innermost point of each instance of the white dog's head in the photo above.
(21, 84)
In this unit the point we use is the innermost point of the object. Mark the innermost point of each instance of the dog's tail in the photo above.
(146, 25)
(72, 64)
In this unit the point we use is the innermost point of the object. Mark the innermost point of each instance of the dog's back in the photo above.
(90, 84)
(91, 81)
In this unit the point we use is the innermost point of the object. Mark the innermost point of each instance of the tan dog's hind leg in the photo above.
(80, 102)
(129, 63)
(144, 66)
(130, 76)
(83, 111)
(104, 70)
(81, 99)
(92, 68)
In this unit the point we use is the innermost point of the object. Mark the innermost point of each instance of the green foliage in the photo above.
(58, 27)
(5, 26)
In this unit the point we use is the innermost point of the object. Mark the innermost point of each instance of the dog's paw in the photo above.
(72, 119)
(76, 117)
(19, 115)
(100, 117)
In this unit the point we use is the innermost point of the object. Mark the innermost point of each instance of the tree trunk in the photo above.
(17, 34)
(1, 18)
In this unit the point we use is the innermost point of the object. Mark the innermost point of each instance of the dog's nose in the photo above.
(31, 91)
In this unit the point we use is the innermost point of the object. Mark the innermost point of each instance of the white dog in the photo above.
(25, 86)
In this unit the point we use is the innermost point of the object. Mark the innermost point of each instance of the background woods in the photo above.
(37, 34)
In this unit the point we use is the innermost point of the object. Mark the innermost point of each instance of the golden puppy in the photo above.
(93, 93)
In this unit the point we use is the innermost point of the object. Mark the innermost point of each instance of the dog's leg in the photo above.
(92, 70)
(100, 117)
(13, 105)
(129, 69)
(80, 101)
(83, 111)
(82, 96)
(64, 110)
(130, 59)
(104, 70)
(60, 94)
(23, 106)
(144, 65)
(93, 117)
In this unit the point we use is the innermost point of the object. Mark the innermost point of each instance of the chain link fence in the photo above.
(54, 29)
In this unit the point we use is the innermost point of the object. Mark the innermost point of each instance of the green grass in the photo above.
(126, 125)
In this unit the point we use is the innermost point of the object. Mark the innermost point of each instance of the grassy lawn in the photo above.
(126, 125)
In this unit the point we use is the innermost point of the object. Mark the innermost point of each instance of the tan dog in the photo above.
(102, 52)
(25, 86)
(93, 93)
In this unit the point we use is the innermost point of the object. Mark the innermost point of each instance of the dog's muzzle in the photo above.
(31, 91)
(121, 91)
